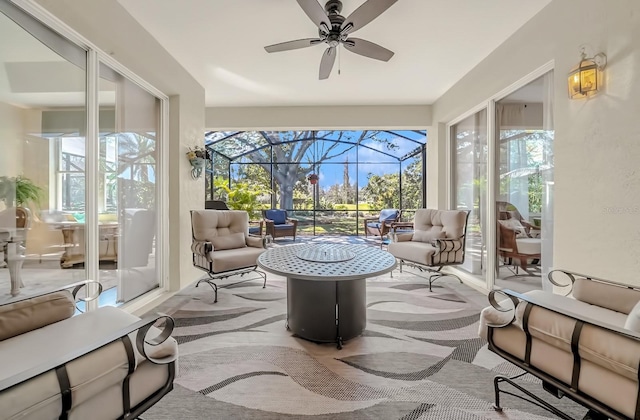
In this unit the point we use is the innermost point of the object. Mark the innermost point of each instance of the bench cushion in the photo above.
(29, 314)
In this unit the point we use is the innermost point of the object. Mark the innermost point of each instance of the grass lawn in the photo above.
(328, 226)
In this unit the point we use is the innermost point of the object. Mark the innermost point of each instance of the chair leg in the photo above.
(213, 286)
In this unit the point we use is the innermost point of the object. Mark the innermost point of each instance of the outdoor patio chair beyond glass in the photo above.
(278, 225)
(381, 225)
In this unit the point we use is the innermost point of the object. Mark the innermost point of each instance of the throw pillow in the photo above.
(279, 217)
(232, 241)
(388, 215)
(633, 319)
(428, 235)
(515, 225)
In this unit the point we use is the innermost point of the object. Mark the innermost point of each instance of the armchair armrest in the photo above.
(448, 251)
(401, 237)
(202, 248)
(268, 222)
(371, 218)
(293, 221)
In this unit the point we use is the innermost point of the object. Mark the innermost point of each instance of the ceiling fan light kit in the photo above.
(334, 30)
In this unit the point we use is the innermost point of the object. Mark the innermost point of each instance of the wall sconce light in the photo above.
(586, 79)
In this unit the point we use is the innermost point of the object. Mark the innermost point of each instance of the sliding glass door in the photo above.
(65, 166)
(128, 188)
(524, 147)
(469, 162)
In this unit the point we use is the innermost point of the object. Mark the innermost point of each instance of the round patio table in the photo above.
(326, 287)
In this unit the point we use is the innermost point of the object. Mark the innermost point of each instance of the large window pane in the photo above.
(469, 138)
(524, 136)
(128, 187)
(354, 172)
(42, 158)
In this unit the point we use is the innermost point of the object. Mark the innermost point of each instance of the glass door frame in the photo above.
(488, 282)
(95, 55)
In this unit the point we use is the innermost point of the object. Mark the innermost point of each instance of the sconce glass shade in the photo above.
(586, 79)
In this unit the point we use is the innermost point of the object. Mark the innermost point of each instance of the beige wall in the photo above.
(597, 147)
(106, 24)
(416, 117)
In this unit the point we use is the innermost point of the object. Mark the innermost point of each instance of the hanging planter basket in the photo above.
(313, 179)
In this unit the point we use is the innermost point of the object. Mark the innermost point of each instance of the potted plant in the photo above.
(313, 179)
(19, 191)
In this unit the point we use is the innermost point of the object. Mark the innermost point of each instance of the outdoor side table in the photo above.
(326, 287)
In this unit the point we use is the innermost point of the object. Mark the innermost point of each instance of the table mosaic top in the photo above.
(327, 262)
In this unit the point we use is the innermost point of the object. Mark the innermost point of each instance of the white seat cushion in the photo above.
(529, 246)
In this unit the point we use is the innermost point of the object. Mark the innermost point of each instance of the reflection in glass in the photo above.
(128, 187)
(469, 139)
(524, 130)
(42, 172)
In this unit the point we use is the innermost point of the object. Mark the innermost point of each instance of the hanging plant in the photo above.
(197, 158)
(313, 179)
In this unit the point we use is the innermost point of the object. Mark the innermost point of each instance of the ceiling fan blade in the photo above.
(364, 14)
(293, 45)
(326, 64)
(316, 13)
(367, 49)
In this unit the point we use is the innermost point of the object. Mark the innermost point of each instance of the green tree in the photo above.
(382, 191)
(243, 196)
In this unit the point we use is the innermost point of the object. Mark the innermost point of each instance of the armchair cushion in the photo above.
(283, 226)
(388, 215)
(428, 235)
(231, 241)
(37, 312)
(516, 226)
(279, 217)
(255, 241)
(233, 259)
(418, 252)
(451, 222)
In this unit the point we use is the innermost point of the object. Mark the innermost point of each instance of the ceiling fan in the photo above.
(334, 29)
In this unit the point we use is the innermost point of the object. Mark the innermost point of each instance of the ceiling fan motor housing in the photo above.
(333, 9)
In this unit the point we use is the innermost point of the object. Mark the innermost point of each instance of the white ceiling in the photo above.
(221, 43)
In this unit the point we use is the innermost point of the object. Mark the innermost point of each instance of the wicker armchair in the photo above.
(277, 224)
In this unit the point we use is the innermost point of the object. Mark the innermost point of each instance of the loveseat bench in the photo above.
(585, 346)
(103, 364)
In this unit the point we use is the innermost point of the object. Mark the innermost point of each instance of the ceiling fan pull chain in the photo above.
(339, 55)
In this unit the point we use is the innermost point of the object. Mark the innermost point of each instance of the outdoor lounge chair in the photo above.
(438, 240)
(222, 246)
(380, 225)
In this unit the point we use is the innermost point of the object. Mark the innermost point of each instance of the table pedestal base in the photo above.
(326, 311)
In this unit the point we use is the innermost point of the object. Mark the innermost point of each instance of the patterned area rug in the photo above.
(419, 358)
